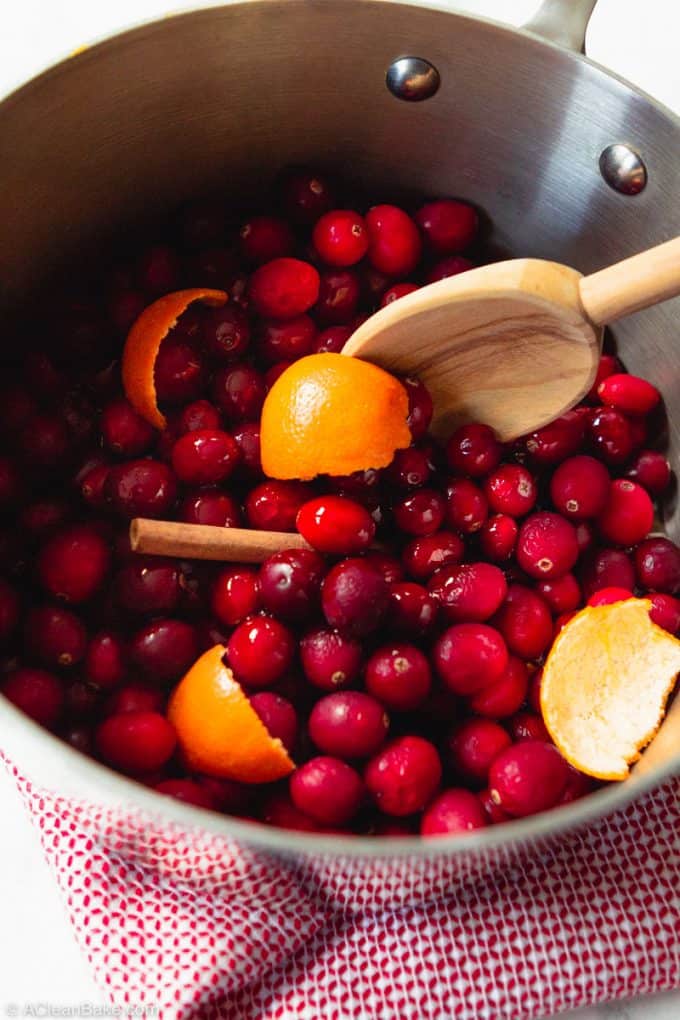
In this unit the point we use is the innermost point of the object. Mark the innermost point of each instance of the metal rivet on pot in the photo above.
(623, 169)
(412, 79)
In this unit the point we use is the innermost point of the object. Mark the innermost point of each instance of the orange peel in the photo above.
(605, 685)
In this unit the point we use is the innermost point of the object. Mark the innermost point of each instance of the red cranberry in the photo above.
(403, 776)
(330, 660)
(409, 470)
(525, 622)
(327, 789)
(560, 439)
(466, 506)
(226, 794)
(469, 656)
(264, 238)
(420, 513)
(563, 594)
(141, 488)
(586, 537)
(105, 660)
(348, 724)
(395, 244)
(198, 416)
(55, 636)
(44, 442)
(81, 738)
(469, 593)
(37, 693)
(341, 237)
(17, 405)
(606, 596)
(164, 649)
(286, 341)
(354, 597)
(10, 609)
(665, 611)
(225, 333)
(186, 790)
(420, 407)
(510, 490)
(306, 195)
(124, 431)
(260, 651)
(396, 291)
(493, 812)
(505, 695)
(473, 450)
(628, 393)
(280, 811)
(278, 716)
(283, 288)
(546, 545)
(290, 583)
(453, 812)
(331, 340)
(235, 595)
(527, 726)
(651, 470)
(474, 745)
(389, 827)
(148, 584)
(628, 514)
(93, 486)
(339, 293)
(578, 785)
(133, 698)
(399, 676)
(247, 438)
(528, 777)
(607, 366)
(274, 505)
(73, 563)
(335, 525)
(239, 392)
(607, 568)
(42, 518)
(158, 270)
(611, 435)
(579, 488)
(448, 226)
(205, 457)
(452, 265)
(136, 742)
(412, 609)
(657, 565)
(178, 373)
(498, 537)
(422, 556)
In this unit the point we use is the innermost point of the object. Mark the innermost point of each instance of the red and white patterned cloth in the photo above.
(200, 928)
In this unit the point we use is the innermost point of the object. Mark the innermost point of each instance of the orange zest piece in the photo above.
(144, 341)
(332, 414)
(218, 731)
(605, 685)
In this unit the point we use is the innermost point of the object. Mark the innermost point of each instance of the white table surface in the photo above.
(40, 964)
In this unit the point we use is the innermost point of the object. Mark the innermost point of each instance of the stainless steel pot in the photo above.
(224, 97)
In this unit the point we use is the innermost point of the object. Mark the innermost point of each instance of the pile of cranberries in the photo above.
(399, 662)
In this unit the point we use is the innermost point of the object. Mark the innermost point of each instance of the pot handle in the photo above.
(563, 22)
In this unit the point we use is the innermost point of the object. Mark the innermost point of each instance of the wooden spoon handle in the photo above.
(204, 542)
(637, 282)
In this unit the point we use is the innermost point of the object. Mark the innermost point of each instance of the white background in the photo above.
(39, 960)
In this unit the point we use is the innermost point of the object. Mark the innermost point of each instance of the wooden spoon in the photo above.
(514, 344)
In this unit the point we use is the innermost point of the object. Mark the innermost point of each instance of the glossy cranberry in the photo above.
(205, 457)
(628, 514)
(546, 545)
(452, 265)
(560, 439)
(639, 432)
(610, 435)
(164, 649)
(92, 485)
(472, 747)
(420, 407)
(278, 716)
(17, 405)
(209, 506)
(348, 724)
(10, 609)
(527, 726)
(657, 565)
(579, 488)
(511, 490)
(44, 443)
(402, 777)
(37, 693)
(420, 513)
(493, 812)
(498, 537)
(135, 697)
(525, 622)
(225, 333)
(141, 488)
(274, 505)
(125, 432)
(389, 566)
(395, 244)
(354, 597)
(306, 195)
(329, 659)
(105, 660)
(628, 393)
(422, 556)
(396, 291)
(339, 294)
(586, 537)
(198, 416)
(399, 676)
(331, 340)
(469, 593)
(148, 584)
(260, 651)
(55, 636)
(73, 563)
(453, 812)
(607, 568)
(327, 789)
(665, 611)
(341, 237)
(264, 238)
(469, 656)
(283, 288)
(286, 341)
(563, 594)
(528, 777)
(289, 584)
(136, 742)
(235, 595)
(412, 610)
(473, 450)
(247, 438)
(650, 469)
(158, 270)
(607, 366)
(186, 790)
(239, 392)
(505, 695)
(279, 810)
(226, 794)
(178, 372)
(606, 596)
(335, 525)
(466, 506)
(448, 226)
(410, 469)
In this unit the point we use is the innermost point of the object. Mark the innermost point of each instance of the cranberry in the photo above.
(93, 486)
(210, 507)
(81, 738)
(607, 568)
(606, 596)
(290, 583)
(141, 488)
(493, 812)
(498, 537)
(205, 457)
(9, 611)
(579, 488)
(469, 656)
(55, 636)
(563, 594)
(274, 505)
(37, 693)
(586, 537)
(389, 566)
(348, 724)
(607, 366)
(235, 595)
(454, 811)
(278, 716)
(283, 288)
(186, 790)
(466, 506)
(422, 556)
(403, 776)
(527, 726)
(469, 593)
(396, 291)
(327, 789)
(41, 519)
(335, 525)
(657, 565)
(226, 794)
(44, 442)
(136, 742)
(341, 237)
(280, 811)
(198, 416)
(164, 649)
(560, 439)
(331, 340)
(339, 293)
(260, 651)
(628, 393)
(225, 333)
(306, 195)
(511, 490)
(286, 341)
(124, 431)
(525, 622)
(473, 450)
(73, 563)
(399, 676)
(473, 745)
(528, 777)
(611, 435)
(410, 469)
(239, 392)
(651, 470)
(578, 785)
(546, 545)
(420, 513)
(389, 827)
(148, 584)
(330, 660)
(354, 597)
(274, 372)
(505, 695)
(420, 407)
(448, 226)
(628, 514)
(17, 405)
(395, 244)
(158, 270)
(178, 372)
(247, 438)
(264, 238)
(665, 611)
(105, 660)
(412, 609)
(133, 698)
(452, 265)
